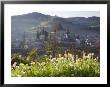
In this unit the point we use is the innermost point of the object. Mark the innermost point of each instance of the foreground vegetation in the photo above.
(55, 67)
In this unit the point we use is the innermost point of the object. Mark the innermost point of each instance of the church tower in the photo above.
(67, 33)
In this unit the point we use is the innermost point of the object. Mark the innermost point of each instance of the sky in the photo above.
(58, 10)
(66, 14)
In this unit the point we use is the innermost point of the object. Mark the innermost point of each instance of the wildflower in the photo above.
(88, 66)
(65, 55)
(18, 75)
(70, 56)
(56, 68)
(27, 59)
(78, 60)
(17, 66)
(76, 56)
(26, 64)
(38, 63)
(53, 59)
(92, 54)
(28, 68)
(45, 55)
(70, 64)
(59, 55)
(84, 54)
(95, 59)
(50, 56)
(62, 57)
(88, 56)
(14, 65)
(20, 56)
(32, 63)
(21, 64)
(72, 74)
(24, 72)
(80, 68)
(43, 63)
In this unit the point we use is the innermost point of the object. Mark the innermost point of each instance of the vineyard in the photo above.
(32, 66)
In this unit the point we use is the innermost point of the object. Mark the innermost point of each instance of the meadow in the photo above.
(28, 66)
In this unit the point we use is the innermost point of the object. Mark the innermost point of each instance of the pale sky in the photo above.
(58, 10)
(66, 14)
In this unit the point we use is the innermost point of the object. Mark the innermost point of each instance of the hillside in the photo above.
(32, 21)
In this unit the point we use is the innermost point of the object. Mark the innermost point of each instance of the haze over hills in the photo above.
(32, 21)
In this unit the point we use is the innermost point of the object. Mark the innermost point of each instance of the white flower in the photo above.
(72, 74)
(24, 72)
(45, 56)
(50, 56)
(62, 57)
(95, 59)
(27, 59)
(53, 59)
(43, 63)
(70, 64)
(18, 75)
(21, 64)
(59, 55)
(92, 54)
(78, 60)
(76, 56)
(38, 63)
(26, 64)
(65, 55)
(32, 63)
(17, 66)
(20, 56)
(14, 65)
(71, 55)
